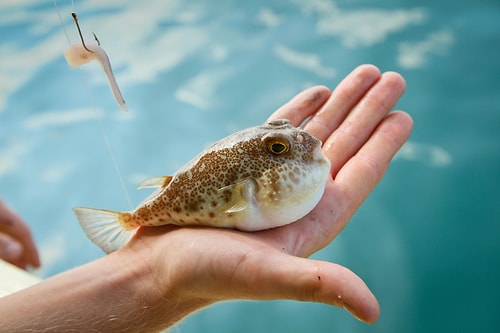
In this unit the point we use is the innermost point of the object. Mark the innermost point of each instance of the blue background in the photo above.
(427, 239)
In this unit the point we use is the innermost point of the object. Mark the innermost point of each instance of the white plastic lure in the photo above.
(80, 54)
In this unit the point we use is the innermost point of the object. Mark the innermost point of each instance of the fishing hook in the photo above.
(75, 18)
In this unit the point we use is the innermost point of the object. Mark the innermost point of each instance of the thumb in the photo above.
(289, 277)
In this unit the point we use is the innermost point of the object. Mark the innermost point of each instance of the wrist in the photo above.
(150, 282)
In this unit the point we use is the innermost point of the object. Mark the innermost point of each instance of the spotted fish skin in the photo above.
(258, 178)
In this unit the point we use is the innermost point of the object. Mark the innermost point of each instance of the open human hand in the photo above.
(200, 266)
(16, 244)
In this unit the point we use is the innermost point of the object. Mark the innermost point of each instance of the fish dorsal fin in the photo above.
(243, 195)
(155, 182)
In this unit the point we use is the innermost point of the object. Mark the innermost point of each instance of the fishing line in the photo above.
(96, 112)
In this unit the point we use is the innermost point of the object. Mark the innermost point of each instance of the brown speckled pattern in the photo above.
(235, 177)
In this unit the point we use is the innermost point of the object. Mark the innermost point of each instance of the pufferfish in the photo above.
(258, 178)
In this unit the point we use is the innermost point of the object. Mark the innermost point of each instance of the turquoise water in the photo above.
(426, 241)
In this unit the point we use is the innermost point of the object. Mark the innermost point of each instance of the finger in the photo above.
(13, 226)
(362, 120)
(317, 229)
(360, 175)
(345, 96)
(343, 196)
(287, 277)
(302, 105)
(11, 250)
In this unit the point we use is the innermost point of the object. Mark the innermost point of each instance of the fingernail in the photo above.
(13, 250)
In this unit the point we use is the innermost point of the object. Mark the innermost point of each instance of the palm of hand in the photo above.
(360, 138)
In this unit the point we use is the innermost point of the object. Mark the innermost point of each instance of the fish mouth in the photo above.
(319, 156)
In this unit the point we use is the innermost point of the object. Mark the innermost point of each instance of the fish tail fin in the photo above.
(105, 228)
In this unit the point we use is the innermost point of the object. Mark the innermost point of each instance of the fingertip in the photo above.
(360, 302)
(33, 256)
(398, 80)
(404, 118)
(30, 251)
(366, 73)
(35, 261)
(368, 68)
(318, 89)
(303, 105)
(333, 284)
(13, 251)
(367, 311)
(402, 124)
(374, 71)
(347, 290)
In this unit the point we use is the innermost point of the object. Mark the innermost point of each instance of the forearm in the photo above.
(114, 293)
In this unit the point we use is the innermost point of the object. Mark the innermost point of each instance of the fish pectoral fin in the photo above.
(242, 195)
(237, 207)
(155, 182)
(104, 228)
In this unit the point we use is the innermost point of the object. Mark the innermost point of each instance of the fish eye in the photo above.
(278, 147)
